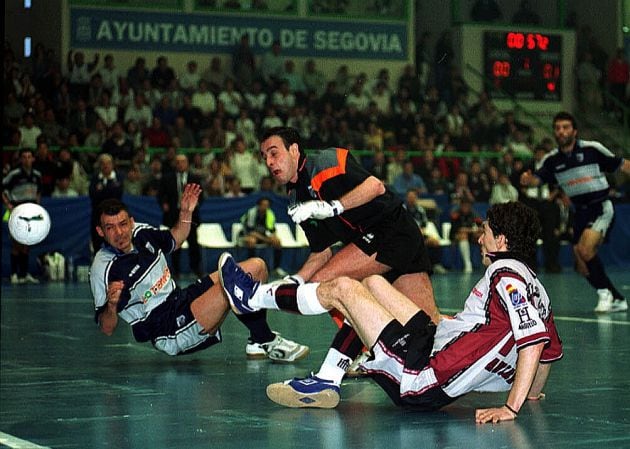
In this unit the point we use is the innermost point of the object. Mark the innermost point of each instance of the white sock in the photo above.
(334, 367)
(307, 301)
(265, 297)
(464, 249)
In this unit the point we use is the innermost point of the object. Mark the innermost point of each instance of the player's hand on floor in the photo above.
(494, 415)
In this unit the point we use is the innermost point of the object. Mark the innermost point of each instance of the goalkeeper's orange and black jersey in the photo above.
(327, 175)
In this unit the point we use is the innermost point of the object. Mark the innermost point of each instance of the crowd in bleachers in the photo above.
(94, 105)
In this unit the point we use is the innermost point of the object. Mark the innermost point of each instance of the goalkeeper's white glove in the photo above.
(317, 210)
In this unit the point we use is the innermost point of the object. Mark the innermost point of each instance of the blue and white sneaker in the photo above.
(238, 285)
(306, 392)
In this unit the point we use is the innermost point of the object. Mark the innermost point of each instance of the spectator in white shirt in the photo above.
(105, 110)
(231, 98)
(189, 80)
(29, 132)
(109, 73)
(204, 99)
(139, 111)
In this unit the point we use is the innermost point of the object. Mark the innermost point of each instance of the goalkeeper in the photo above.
(335, 199)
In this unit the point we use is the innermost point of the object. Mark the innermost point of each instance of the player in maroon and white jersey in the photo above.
(503, 340)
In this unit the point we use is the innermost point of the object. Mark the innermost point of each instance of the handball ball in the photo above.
(29, 223)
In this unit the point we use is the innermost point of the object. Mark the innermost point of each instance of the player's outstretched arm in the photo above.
(535, 392)
(526, 369)
(190, 199)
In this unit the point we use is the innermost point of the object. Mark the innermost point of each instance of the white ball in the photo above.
(29, 223)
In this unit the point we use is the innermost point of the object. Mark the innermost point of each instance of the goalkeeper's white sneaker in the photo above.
(280, 350)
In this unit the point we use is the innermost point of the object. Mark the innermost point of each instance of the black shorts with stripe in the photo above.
(398, 243)
(411, 343)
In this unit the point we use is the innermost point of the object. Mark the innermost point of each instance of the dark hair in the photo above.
(563, 115)
(520, 226)
(263, 198)
(288, 135)
(110, 207)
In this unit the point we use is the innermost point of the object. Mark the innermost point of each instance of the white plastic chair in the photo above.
(211, 235)
(283, 231)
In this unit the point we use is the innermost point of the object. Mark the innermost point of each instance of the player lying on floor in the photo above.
(503, 340)
(131, 280)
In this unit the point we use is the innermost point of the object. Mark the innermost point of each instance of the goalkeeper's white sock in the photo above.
(290, 297)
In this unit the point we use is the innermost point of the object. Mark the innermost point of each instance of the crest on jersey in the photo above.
(580, 157)
(516, 297)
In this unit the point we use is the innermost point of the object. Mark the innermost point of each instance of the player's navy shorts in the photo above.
(599, 217)
(406, 349)
(171, 326)
(397, 243)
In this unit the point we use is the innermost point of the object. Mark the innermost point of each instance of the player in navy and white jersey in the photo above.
(334, 199)
(503, 340)
(131, 280)
(579, 168)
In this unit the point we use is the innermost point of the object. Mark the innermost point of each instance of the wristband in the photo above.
(511, 409)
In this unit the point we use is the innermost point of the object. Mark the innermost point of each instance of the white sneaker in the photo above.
(16, 280)
(30, 279)
(620, 305)
(604, 303)
(279, 350)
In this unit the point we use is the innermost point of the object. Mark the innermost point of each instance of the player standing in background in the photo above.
(335, 199)
(579, 167)
(21, 185)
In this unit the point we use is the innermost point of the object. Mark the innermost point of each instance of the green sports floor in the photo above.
(65, 385)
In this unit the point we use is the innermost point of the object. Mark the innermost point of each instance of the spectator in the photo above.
(51, 129)
(410, 81)
(216, 134)
(314, 80)
(332, 97)
(134, 134)
(68, 166)
(137, 74)
(153, 180)
(13, 109)
(231, 99)
(296, 83)
(44, 163)
(300, 120)
(105, 110)
(461, 191)
(454, 121)
(243, 166)
(503, 191)
(203, 99)
(373, 139)
(29, 131)
(465, 229)
(191, 114)
(133, 183)
(243, 63)
(271, 119)
(272, 66)
(283, 99)
(215, 76)
(123, 96)
(408, 180)
(80, 73)
(139, 111)
(189, 80)
(246, 128)
(395, 165)
(162, 74)
(182, 132)
(478, 182)
(119, 146)
(165, 112)
(109, 73)
(63, 189)
(358, 98)
(157, 135)
(428, 229)
(256, 100)
(259, 228)
(234, 188)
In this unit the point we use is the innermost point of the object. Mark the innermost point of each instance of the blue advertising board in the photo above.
(158, 31)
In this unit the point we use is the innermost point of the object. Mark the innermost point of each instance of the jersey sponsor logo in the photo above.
(527, 322)
(580, 157)
(367, 238)
(149, 247)
(134, 270)
(157, 286)
(477, 292)
(180, 320)
(515, 296)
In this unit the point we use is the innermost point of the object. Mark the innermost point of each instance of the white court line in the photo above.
(17, 443)
(599, 320)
